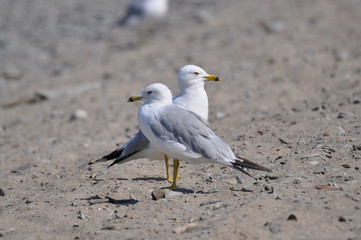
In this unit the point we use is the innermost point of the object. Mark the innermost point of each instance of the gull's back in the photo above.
(175, 125)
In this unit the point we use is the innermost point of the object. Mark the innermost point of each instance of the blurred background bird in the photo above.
(144, 11)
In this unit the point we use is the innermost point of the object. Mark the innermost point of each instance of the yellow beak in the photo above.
(213, 78)
(134, 98)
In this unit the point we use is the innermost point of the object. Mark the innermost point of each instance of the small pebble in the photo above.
(214, 177)
(2, 193)
(296, 181)
(341, 130)
(79, 115)
(342, 219)
(108, 228)
(158, 194)
(273, 227)
(328, 188)
(12, 74)
(230, 181)
(107, 76)
(209, 202)
(188, 198)
(345, 114)
(218, 205)
(82, 214)
(314, 163)
(185, 228)
(356, 147)
(310, 155)
(220, 115)
(292, 217)
(273, 27)
(170, 194)
(239, 180)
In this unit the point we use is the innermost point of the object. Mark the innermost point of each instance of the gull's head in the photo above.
(154, 93)
(191, 75)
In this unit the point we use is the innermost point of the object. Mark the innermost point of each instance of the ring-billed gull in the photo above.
(192, 97)
(143, 10)
(182, 134)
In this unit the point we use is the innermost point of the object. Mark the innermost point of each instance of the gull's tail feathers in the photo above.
(242, 163)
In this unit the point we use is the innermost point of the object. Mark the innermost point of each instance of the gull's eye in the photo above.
(149, 92)
(195, 73)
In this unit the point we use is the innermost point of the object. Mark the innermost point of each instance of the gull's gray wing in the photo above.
(176, 125)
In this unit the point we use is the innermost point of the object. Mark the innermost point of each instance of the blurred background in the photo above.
(59, 41)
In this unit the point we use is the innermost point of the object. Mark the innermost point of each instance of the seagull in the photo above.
(182, 134)
(193, 97)
(144, 10)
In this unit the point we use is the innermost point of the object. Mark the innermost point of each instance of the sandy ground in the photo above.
(290, 100)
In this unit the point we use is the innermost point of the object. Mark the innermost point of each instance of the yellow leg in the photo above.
(175, 168)
(175, 162)
(175, 174)
(167, 168)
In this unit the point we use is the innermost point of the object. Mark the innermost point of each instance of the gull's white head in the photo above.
(154, 93)
(193, 76)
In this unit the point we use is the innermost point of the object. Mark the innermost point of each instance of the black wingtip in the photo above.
(245, 163)
(113, 163)
(98, 161)
(244, 171)
(113, 155)
(122, 159)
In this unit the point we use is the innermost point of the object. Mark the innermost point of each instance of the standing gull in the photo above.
(182, 134)
(144, 10)
(192, 97)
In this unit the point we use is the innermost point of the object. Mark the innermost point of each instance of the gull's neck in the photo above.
(190, 87)
(194, 98)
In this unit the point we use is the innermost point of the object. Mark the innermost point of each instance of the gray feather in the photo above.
(179, 125)
(138, 143)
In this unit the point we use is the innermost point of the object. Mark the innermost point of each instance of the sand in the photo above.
(289, 100)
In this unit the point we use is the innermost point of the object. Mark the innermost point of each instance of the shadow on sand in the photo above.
(158, 179)
(98, 200)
